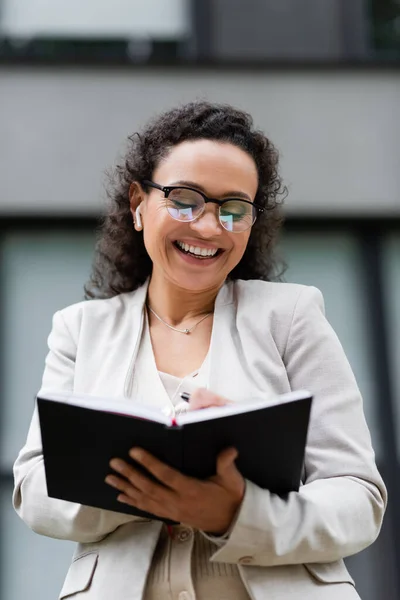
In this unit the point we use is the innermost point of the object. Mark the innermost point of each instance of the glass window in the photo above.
(386, 27)
(392, 296)
(42, 272)
(223, 30)
(32, 566)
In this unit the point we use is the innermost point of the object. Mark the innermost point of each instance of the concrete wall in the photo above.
(338, 132)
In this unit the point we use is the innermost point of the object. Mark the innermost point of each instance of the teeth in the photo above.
(197, 250)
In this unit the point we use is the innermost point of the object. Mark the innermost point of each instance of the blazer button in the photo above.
(246, 560)
(184, 535)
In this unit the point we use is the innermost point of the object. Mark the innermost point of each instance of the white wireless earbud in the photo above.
(138, 220)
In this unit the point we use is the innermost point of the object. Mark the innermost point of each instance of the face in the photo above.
(220, 170)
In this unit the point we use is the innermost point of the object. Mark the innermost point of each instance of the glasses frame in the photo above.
(167, 189)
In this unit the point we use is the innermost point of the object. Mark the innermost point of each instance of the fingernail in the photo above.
(135, 453)
(110, 480)
(116, 464)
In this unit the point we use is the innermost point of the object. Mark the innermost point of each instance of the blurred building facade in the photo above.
(322, 82)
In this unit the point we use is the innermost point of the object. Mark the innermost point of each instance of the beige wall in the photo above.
(338, 132)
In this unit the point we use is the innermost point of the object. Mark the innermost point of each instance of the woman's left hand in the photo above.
(208, 505)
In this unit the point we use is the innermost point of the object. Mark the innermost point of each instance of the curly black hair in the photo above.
(121, 263)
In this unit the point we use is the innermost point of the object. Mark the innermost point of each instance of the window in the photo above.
(392, 296)
(42, 272)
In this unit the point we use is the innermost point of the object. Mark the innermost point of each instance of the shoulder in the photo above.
(94, 313)
(97, 307)
(276, 309)
(276, 297)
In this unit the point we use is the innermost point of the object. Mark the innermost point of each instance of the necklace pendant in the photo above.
(185, 331)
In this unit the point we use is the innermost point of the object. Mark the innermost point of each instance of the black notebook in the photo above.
(80, 435)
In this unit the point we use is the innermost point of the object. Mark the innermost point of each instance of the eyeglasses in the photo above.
(186, 204)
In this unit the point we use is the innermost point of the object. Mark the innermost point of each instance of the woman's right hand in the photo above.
(203, 398)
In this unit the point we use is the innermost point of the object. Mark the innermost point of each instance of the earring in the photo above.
(138, 220)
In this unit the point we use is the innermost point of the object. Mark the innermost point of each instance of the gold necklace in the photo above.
(186, 331)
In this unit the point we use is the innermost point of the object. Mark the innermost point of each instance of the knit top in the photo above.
(181, 568)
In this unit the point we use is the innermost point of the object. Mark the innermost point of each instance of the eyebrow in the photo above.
(193, 184)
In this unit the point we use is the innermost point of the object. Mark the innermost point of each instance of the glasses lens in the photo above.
(236, 215)
(184, 205)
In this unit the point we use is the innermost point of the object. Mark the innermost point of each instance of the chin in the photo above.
(197, 283)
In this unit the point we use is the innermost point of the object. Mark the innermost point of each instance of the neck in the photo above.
(175, 304)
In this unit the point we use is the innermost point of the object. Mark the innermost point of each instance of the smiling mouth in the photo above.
(193, 254)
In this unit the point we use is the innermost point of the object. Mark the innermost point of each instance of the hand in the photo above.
(203, 398)
(208, 505)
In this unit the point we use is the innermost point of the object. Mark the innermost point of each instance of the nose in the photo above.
(207, 225)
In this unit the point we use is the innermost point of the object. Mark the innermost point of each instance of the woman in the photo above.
(182, 300)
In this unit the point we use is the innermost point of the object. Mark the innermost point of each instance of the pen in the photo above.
(185, 396)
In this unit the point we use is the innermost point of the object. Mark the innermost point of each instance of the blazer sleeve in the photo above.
(44, 515)
(339, 509)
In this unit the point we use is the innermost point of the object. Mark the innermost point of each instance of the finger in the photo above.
(126, 500)
(115, 482)
(154, 498)
(170, 477)
(228, 474)
(136, 479)
(135, 497)
(139, 502)
(145, 505)
(203, 398)
(124, 469)
(121, 485)
(226, 467)
(226, 460)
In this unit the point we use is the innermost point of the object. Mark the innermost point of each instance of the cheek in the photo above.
(241, 245)
(157, 227)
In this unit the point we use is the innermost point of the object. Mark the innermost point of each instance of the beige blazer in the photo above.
(265, 335)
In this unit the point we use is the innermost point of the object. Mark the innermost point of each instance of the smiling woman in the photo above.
(211, 150)
(181, 300)
(171, 242)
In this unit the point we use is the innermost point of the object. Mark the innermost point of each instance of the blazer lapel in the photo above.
(112, 348)
(235, 370)
(137, 320)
